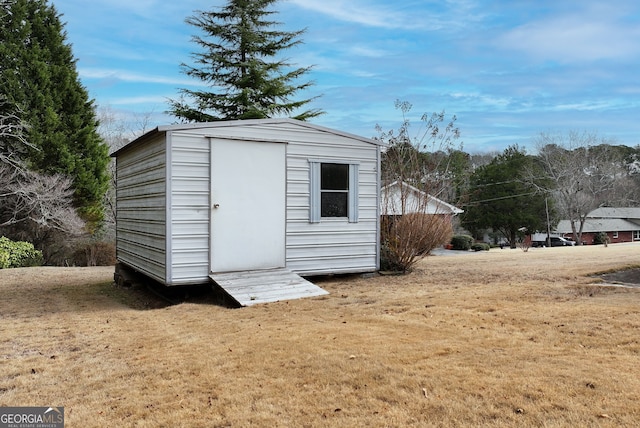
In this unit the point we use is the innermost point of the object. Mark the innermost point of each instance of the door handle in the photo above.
(216, 206)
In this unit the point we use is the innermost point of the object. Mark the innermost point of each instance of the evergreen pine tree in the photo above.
(38, 74)
(504, 196)
(238, 64)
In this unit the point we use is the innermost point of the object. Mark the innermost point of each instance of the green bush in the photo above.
(600, 238)
(461, 242)
(15, 254)
(480, 246)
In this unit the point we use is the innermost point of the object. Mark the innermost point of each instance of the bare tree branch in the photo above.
(584, 171)
(415, 167)
(44, 201)
(26, 196)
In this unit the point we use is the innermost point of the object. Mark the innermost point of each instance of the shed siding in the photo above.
(334, 245)
(331, 245)
(140, 208)
(190, 201)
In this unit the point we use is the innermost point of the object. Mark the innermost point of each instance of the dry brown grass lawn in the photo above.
(501, 338)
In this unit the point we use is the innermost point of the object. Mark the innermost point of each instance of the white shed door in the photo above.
(248, 197)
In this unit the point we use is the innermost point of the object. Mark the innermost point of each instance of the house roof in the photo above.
(243, 123)
(402, 198)
(612, 212)
(600, 225)
(607, 219)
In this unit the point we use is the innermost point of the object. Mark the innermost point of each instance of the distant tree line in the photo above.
(512, 193)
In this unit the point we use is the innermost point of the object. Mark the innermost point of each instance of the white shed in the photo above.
(216, 200)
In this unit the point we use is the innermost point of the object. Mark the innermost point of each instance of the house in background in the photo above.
(400, 198)
(620, 225)
(251, 205)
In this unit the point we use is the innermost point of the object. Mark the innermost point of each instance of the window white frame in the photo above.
(636, 235)
(315, 191)
(615, 235)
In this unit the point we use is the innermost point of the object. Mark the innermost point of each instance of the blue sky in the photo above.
(508, 70)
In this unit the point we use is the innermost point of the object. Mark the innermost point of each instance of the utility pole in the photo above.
(546, 208)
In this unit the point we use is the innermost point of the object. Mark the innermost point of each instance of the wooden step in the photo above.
(263, 286)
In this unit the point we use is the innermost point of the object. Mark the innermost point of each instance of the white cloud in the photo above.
(357, 12)
(598, 33)
(426, 15)
(150, 8)
(364, 74)
(482, 100)
(128, 76)
(586, 105)
(151, 99)
(365, 51)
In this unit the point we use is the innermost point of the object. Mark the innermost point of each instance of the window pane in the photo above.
(334, 176)
(333, 204)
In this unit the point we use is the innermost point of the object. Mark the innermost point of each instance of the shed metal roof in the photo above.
(243, 123)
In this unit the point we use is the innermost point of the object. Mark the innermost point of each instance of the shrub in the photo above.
(600, 238)
(461, 242)
(15, 254)
(95, 253)
(388, 260)
(480, 246)
(408, 238)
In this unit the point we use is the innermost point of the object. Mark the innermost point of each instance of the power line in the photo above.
(507, 182)
(498, 199)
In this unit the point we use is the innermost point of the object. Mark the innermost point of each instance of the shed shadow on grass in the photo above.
(148, 294)
(142, 292)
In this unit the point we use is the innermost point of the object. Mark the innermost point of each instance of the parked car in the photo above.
(556, 241)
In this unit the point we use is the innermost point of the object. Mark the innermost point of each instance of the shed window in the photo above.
(636, 235)
(334, 191)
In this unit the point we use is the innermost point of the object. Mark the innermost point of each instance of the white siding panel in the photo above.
(154, 202)
(191, 214)
(190, 208)
(195, 241)
(185, 257)
(133, 180)
(190, 171)
(189, 273)
(301, 240)
(147, 260)
(335, 265)
(145, 240)
(140, 214)
(182, 185)
(191, 201)
(144, 215)
(332, 245)
(141, 226)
